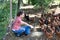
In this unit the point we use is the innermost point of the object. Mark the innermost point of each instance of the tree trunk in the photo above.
(16, 9)
(10, 10)
(18, 4)
(29, 2)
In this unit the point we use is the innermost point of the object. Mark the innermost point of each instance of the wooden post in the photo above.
(10, 10)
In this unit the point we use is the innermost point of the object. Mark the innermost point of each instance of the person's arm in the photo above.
(22, 22)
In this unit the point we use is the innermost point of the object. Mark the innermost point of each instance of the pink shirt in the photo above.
(17, 23)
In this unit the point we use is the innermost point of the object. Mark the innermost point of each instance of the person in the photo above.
(17, 27)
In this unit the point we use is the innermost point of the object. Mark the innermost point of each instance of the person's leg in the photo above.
(27, 30)
(19, 32)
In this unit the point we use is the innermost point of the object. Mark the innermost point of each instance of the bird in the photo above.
(30, 19)
(27, 17)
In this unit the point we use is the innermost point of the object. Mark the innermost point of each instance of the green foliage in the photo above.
(5, 15)
(41, 3)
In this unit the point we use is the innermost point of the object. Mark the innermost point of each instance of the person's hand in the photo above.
(31, 26)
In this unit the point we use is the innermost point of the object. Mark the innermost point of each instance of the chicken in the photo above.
(29, 18)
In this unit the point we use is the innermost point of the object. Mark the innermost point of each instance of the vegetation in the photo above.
(5, 11)
(5, 15)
